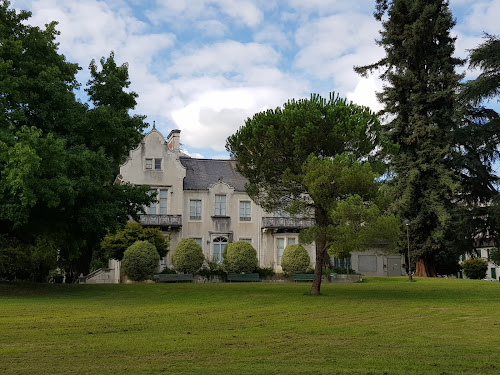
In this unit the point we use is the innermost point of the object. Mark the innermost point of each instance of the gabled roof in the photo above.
(203, 173)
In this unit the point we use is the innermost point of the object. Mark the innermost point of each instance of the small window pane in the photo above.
(220, 205)
(195, 209)
(157, 164)
(290, 241)
(280, 244)
(152, 207)
(249, 240)
(198, 241)
(245, 211)
(149, 163)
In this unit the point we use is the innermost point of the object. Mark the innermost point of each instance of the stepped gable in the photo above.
(203, 173)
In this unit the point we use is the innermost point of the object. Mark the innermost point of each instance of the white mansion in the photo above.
(205, 199)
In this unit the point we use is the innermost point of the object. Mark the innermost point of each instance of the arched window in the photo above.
(219, 244)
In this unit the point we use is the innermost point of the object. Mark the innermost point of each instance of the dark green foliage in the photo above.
(273, 147)
(213, 268)
(265, 272)
(295, 259)
(114, 245)
(58, 158)
(188, 256)
(140, 261)
(495, 256)
(168, 271)
(485, 57)
(475, 268)
(419, 96)
(240, 257)
(477, 141)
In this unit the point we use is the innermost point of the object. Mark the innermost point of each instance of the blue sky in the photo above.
(204, 66)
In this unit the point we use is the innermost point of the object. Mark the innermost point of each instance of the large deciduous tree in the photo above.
(419, 99)
(58, 158)
(286, 153)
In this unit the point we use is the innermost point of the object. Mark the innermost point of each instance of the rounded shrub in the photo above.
(240, 257)
(188, 256)
(295, 259)
(140, 260)
(475, 268)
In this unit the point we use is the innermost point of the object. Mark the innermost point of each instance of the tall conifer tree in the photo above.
(419, 99)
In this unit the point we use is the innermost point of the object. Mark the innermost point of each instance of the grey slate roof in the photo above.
(202, 173)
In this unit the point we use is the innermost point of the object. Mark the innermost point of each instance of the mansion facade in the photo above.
(205, 199)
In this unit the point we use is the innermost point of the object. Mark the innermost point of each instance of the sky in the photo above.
(205, 66)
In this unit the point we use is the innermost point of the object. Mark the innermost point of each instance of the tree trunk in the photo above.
(318, 268)
(425, 268)
(322, 222)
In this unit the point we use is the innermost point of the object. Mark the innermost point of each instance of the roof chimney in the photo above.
(174, 140)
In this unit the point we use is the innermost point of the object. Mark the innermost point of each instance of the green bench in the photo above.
(303, 277)
(243, 277)
(174, 277)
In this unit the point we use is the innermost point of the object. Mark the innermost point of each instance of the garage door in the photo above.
(367, 263)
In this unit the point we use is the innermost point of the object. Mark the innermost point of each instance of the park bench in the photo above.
(303, 277)
(174, 277)
(243, 277)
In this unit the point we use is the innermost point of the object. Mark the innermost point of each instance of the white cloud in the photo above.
(364, 93)
(224, 57)
(183, 13)
(331, 46)
(208, 120)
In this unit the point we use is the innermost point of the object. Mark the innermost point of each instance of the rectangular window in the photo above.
(195, 209)
(290, 241)
(163, 201)
(152, 206)
(245, 211)
(163, 261)
(249, 240)
(342, 263)
(157, 164)
(220, 205)
(280, 246)
(149, 163)
(198, 241)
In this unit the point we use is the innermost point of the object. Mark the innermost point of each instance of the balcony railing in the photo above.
(286, 223)
(162, 220)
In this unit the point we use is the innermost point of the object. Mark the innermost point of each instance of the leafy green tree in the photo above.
(419, 98)
(475, 268)
(273, 147)
(114, 244)
(295, 259)
(349, 192)
(477, 141)
(240, 257)
(140, 261)
(495, 256)
(188, 256)
(56, 175)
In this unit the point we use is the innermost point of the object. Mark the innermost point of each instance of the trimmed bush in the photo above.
(188, 256)
(140, 260)
(240, 257)
(295, 259)
(475, 268)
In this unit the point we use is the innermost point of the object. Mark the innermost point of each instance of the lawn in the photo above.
(380, 326)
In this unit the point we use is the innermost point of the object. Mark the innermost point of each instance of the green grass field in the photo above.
(380, 326)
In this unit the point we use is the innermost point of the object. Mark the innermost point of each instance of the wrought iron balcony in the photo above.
(162, 220)
(286, 223)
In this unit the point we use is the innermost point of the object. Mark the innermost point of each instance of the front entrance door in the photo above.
(393, 266)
